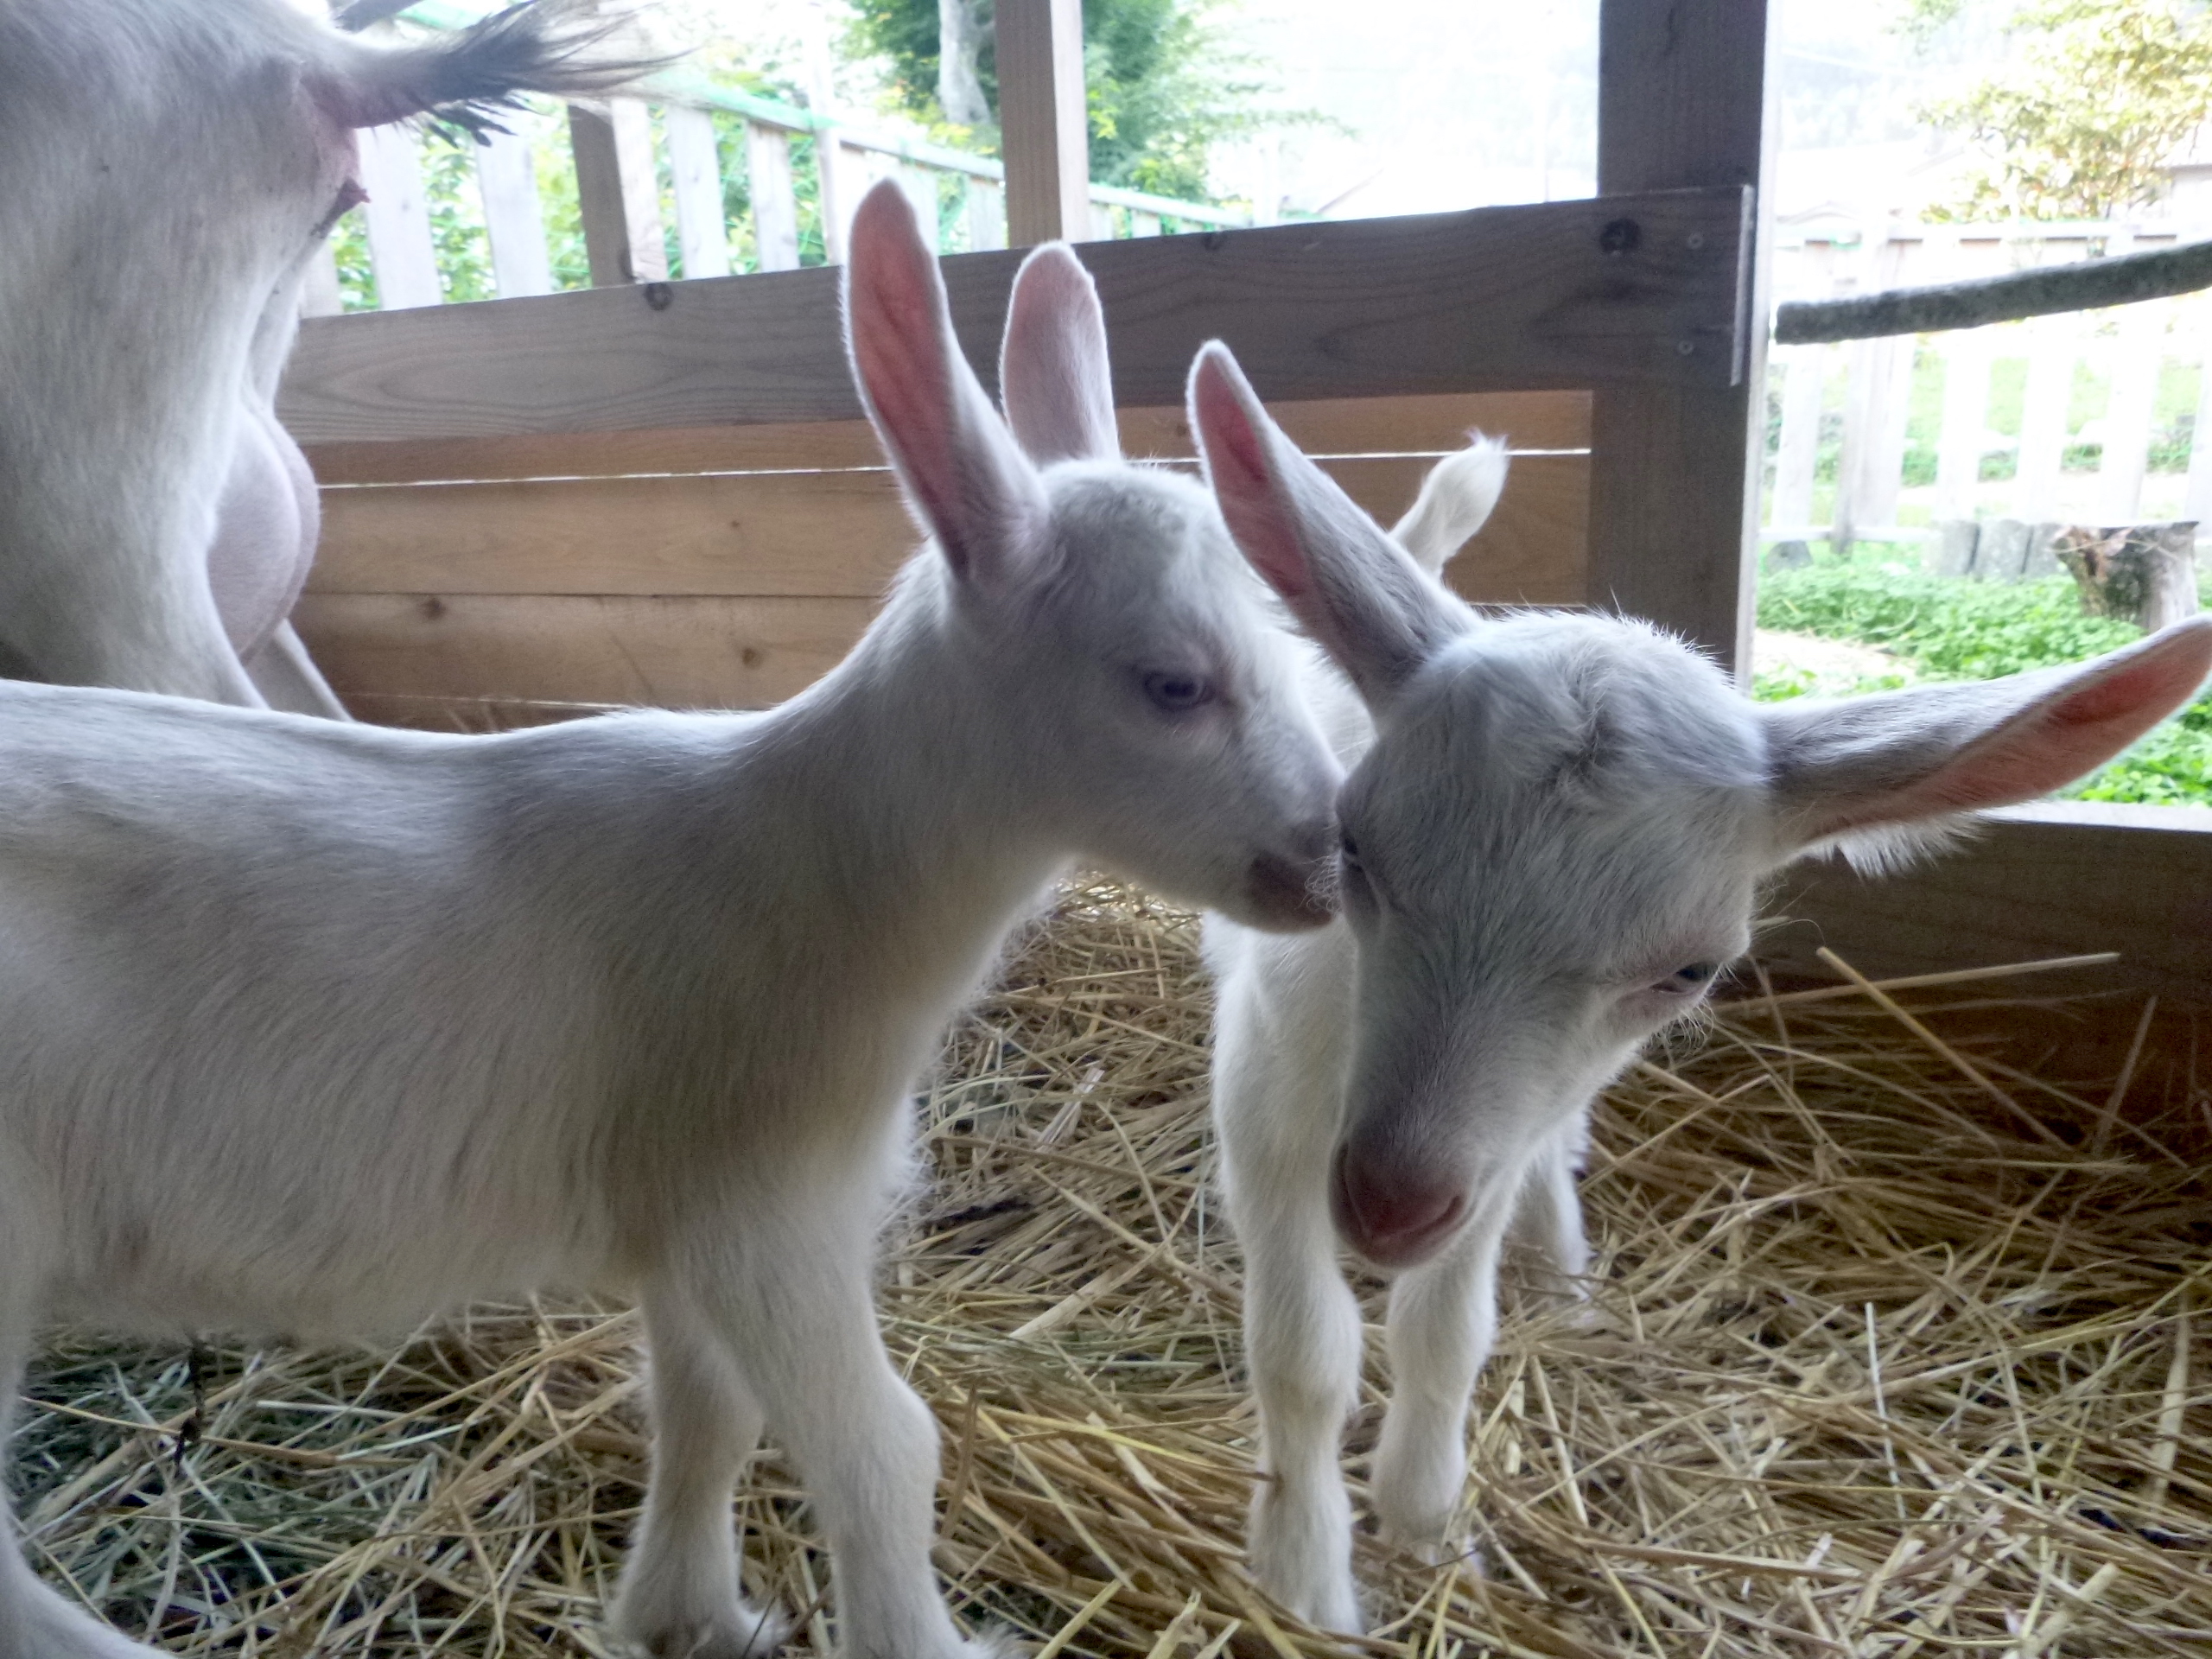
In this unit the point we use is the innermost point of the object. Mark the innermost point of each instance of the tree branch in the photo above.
(2079, 286)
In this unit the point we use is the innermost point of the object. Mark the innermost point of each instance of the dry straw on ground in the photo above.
(1891, 1355)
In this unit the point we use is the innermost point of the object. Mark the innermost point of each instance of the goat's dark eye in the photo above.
(1352, 854)
(1694, 977)
(1176, 693)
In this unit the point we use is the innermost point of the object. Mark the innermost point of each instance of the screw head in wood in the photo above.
(1620, 236)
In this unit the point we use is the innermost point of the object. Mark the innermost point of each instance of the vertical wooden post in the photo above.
(2044, 410)
(920, 186)
(1045, 131)
(1682, 92)
(1965, 418)
(618, 192)
(840, 194)
(1875, 396)
(986, 215)
(2136, 354)
(512, 219)
(775, 205)
(701, 230)
(398, 219)
(1798, 459)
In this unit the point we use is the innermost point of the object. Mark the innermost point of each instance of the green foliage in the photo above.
(2101, 92)
(1164, 86)
(1978, 630)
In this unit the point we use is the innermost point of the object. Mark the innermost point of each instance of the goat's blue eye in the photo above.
(1176, 693)
(1694, 978)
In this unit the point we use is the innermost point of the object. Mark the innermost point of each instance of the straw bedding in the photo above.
(1892, 1353)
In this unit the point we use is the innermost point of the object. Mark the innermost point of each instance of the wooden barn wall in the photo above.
(460, 581)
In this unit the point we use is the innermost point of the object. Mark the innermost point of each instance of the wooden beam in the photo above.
(1499, 298)
(2056, 879)
(812, 534)
(1423, 426)
(618, 195)
(727, 653)
(507, 180)
(1674, 513)
(1044, 123)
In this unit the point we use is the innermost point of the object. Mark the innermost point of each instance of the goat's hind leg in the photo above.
(681, 1596)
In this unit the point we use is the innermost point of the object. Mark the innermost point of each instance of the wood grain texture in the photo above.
(821, 534)
(719, 653)
(1499, 298)
(2053, 880)
(1682, 102)
(618, 194)
(1425, 425)
(1044, 129)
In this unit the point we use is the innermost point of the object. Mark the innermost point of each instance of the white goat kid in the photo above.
(318, 1028)
(168, 167)
(1551, 846)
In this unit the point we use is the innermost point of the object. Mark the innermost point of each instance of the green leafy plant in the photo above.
(1953, 630)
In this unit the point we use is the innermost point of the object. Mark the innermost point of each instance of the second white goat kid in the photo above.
(1552, 837)
(317, 1029)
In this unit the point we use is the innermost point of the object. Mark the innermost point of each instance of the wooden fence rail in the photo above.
(619, 160)
(2131, 346)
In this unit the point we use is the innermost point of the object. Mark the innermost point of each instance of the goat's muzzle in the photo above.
(1394, 1216)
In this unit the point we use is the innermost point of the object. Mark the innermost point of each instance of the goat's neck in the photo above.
(920, 824)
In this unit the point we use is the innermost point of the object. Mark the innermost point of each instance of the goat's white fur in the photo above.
(1552, 813)
(317, 1028)
(167, 169)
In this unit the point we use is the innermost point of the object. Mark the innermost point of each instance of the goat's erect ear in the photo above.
(1456, 500)
(965, 481)
(1356, 592)
(1902, 757)
(1052, 368)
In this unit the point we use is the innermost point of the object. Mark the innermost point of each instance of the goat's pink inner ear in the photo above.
(1237, 460)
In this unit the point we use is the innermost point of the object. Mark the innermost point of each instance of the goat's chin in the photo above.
(1280, 896)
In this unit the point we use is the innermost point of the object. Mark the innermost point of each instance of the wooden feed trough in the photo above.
(1894, 1349)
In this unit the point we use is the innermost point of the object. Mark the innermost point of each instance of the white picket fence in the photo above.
(620, 159)
(2130, 345)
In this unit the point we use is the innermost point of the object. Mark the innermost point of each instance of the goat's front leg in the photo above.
(1277, 1086)
(681, 1596)
(795, 1304)
(1443, 1320)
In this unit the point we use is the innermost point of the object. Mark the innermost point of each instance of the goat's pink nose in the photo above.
(1393, 1217)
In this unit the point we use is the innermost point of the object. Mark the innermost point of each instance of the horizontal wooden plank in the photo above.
(734, 534)
(1641, 288)
(1531, 420)
(707, 654)
(840, 534)
(2057, 879)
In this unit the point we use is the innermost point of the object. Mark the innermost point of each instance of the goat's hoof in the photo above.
(745, 1632)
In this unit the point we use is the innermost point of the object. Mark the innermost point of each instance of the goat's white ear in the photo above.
(1904, 758)
(1456, 499)
(1053, 373)
(1356, 592)
(965, 481)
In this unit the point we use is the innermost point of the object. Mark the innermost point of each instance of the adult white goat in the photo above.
(318, 1028)
(1552, 840)
(167, 169)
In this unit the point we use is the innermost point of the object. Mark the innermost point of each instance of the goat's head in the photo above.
(1129, 653)
(1554, 843)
